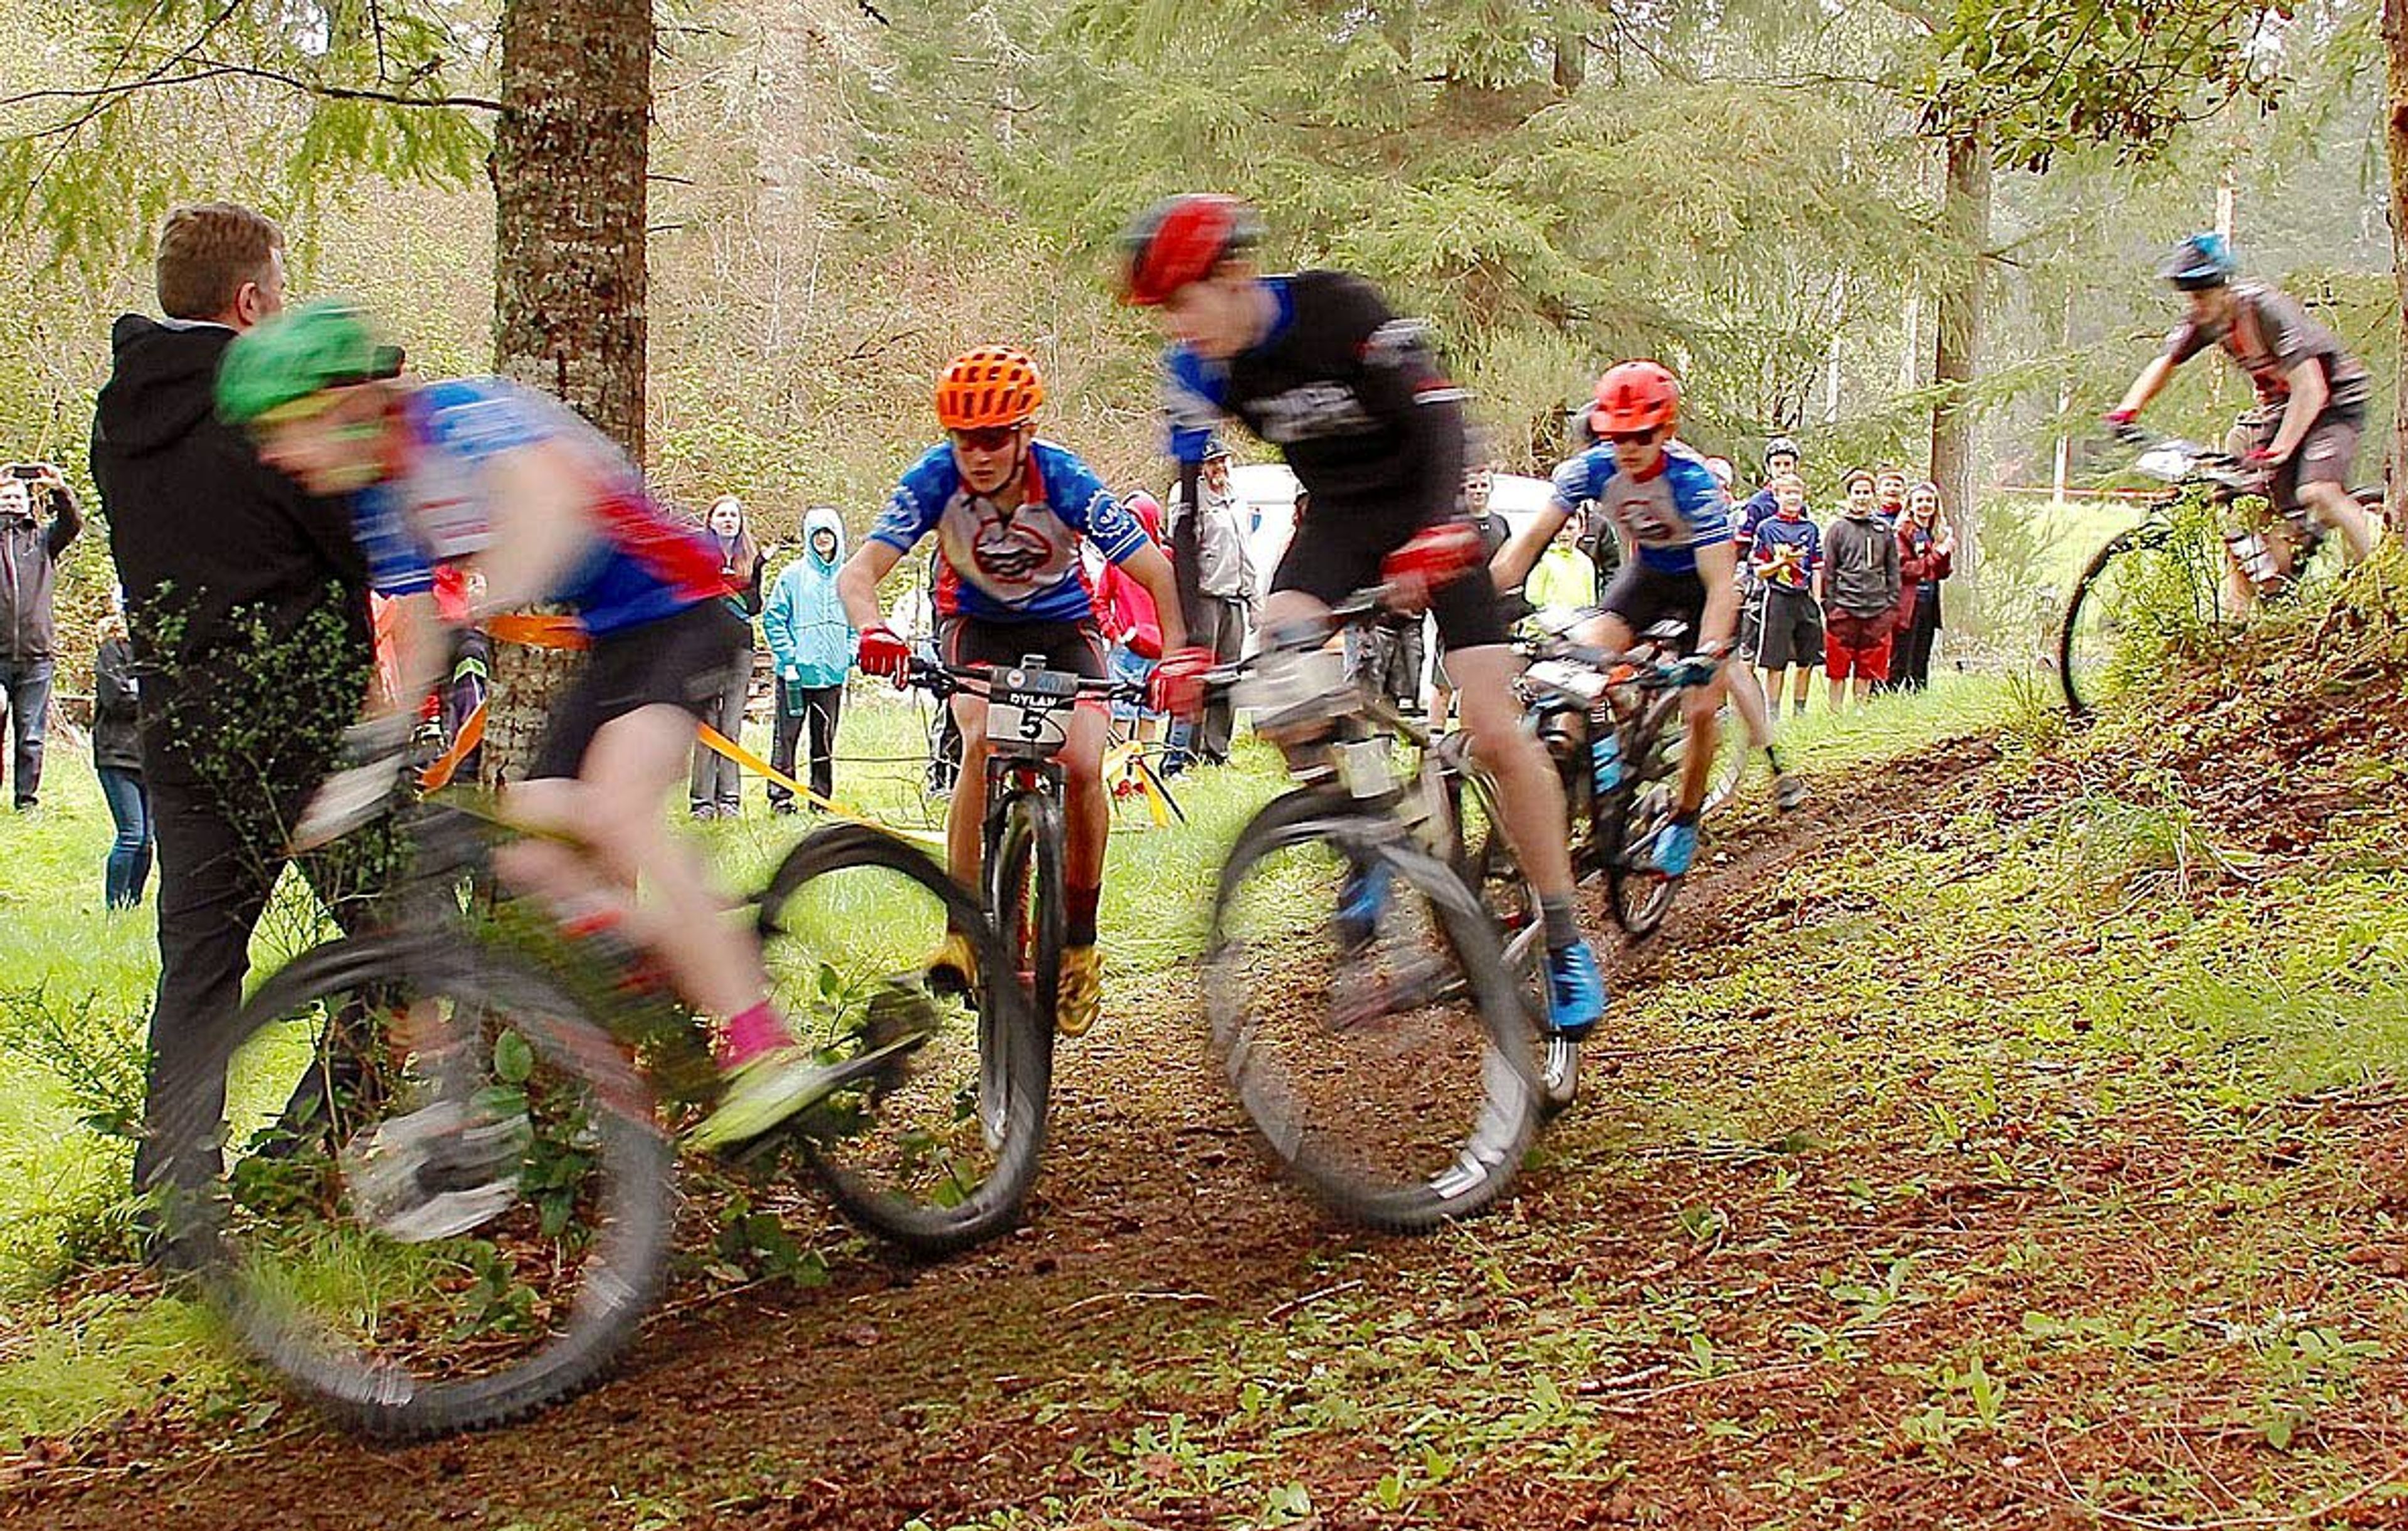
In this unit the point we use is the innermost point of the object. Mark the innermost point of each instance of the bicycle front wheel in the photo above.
(937, 1149)
(445, 1201)
(1362, 1013)
(2143, 590)
(1639, 810)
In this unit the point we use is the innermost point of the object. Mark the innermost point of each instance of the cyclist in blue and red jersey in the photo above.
(1008, 511)
(1659, 497)
(520, 492)
(1352, 396)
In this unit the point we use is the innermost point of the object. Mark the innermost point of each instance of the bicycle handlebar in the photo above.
(943, 679)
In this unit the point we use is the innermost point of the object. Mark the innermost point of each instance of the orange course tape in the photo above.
(719, 743)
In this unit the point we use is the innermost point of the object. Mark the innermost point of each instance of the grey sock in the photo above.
(1563, 925)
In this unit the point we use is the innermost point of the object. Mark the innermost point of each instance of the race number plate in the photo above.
(1574, 682)
(1028, 710)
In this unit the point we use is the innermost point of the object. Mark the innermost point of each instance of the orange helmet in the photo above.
(1636, 396)
(993, 385)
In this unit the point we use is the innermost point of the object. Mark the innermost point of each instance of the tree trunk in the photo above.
(2394, 39)
(1965, 236)
(568, 162)
(1569, 45)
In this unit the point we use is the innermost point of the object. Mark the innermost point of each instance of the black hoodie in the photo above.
(247, 596)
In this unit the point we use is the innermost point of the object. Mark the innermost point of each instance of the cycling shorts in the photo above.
(1332, 556)
(685, 660)
(1643, 597)
(2325, 456)
(1075, 646)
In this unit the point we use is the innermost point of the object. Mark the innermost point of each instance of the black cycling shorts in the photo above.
(685, 660)
(1077, 647)
(1334, 555)
(1642, 598)
(1792, 630)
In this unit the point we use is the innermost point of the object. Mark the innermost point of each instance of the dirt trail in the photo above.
(1162, 1266)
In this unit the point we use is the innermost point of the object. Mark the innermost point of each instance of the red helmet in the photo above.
(1175, 242)
(993, 385)
(1636, 396)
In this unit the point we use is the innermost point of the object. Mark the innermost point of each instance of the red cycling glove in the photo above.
(1434, 556)
(1177, 685)
(883, 652)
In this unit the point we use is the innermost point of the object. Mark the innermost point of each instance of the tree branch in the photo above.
(214, 70)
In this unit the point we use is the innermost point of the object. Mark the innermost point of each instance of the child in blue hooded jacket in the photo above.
(812, 645)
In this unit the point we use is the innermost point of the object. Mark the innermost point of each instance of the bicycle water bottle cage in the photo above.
(1028, 710)
(1296, 693)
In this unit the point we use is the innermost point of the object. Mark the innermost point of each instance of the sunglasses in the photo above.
(1635, 439)
(986, 438)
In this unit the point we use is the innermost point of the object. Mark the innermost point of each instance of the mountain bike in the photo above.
(1359, 1002)
(475, 1231)
(1028, 708)
(2172, 576)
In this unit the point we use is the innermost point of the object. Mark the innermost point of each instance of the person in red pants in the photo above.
(1858, 587)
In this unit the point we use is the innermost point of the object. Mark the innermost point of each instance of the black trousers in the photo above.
(819, 708)
(1910, 664)
(219, 862)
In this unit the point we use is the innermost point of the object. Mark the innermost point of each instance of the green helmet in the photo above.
(325, 344)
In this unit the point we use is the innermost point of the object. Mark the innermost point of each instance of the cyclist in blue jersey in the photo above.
(1008, 511)
(1659, 497)
(512, 486)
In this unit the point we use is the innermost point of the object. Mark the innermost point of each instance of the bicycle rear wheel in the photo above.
(937, 1151)
(426, 1247)
(1361, 1012)
(1639, 810)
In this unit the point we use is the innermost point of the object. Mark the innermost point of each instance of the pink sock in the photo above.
(749, 1034)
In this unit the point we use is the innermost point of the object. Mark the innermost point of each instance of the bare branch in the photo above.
(107, 95)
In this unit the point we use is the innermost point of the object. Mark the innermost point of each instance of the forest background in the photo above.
(1777, 199)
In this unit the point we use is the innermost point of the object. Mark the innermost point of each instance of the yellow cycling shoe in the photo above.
(955, 964)
(1078, 997)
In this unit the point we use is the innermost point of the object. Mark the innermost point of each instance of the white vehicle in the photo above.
(1267, 493)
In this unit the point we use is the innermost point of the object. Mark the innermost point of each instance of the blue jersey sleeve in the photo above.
(918, 500)
(477, 419)
(1087, 508)
(1701, 503)
(1813, 548)
(1576, 483)
(397, 566)
(1192, 393)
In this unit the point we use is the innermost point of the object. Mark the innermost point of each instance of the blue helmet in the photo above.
(2204, 259)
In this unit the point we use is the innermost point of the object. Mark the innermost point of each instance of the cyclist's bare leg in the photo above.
(2338, 509)
(966, 815)
(1089, 812)
(614, 808)
(1701, 706)
(1530, 795)
(1747, 699)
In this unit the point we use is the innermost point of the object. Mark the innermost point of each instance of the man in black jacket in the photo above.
(248, 602)
(28, 562)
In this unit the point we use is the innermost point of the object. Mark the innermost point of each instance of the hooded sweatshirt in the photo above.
(1124, 609)
(247, 597)
(804, 622)
(29, 567)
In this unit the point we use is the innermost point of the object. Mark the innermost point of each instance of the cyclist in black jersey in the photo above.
(1354, 398)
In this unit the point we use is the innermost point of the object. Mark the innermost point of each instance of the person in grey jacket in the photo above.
(1224, 580)
(811, 646)
(1858, 589)
(117, 758)
(29, 564)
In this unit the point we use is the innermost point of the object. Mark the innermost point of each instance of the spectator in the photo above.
(1387, 654)
(811, 646)
(1926, 553)
(1781, 456)
(1564, 579)
(1786, 554)
(1859, 592)
(717, 790)
(29, 565)
(246, 600)
(1125, 614)
(1889, 496)
(457, 593)
(1224, 610)
(117, 758)
(1479, 488)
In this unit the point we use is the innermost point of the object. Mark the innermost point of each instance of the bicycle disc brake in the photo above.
(437, 1172)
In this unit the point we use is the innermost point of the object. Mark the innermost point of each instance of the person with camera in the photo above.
(38, 518)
